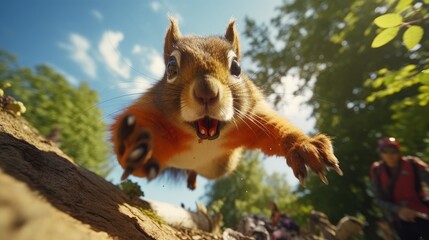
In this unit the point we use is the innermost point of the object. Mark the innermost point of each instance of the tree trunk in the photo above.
(45, 195)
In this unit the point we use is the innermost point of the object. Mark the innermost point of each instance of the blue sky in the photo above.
(116, 46)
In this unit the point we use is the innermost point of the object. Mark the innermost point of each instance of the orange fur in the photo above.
(168, 138)
(266, 134)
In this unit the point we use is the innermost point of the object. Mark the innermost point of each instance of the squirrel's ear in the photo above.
(232, 36)
(171, 38)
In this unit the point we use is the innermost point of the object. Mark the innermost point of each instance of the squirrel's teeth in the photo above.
(203, 131)
(214, 127)
(212, 132)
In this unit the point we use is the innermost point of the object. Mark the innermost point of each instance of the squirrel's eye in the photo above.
(235, 68)
(172, 69)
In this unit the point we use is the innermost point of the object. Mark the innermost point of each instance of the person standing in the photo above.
(397, 185)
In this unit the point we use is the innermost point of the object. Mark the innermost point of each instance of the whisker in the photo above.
(253, 118)
(241, 117)
(114, 113)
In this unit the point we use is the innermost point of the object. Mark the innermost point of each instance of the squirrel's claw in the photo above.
(302, 181)
(338, 170)
(315, 153)
(152, 169)
(127, 172)
(323, 178)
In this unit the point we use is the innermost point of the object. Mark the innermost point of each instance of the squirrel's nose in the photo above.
(206, 91)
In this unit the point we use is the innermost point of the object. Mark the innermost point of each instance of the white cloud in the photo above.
(155, 6)
(137, 49)
(152, 61)
(97, 14)
(108, 48)
(292, 106)
(156, 66)
(137, 86)
(78, 48)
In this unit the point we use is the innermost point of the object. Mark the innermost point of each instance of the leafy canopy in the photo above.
(52, 103)
(413, 18)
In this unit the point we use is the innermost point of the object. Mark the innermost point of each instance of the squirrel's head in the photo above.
(203, 80)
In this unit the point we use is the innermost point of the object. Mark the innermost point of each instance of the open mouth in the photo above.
(207, 128)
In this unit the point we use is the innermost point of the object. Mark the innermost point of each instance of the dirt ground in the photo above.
(45, 195)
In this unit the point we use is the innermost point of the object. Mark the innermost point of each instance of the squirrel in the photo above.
(203, 112)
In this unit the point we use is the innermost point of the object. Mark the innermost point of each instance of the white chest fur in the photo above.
(202, 157)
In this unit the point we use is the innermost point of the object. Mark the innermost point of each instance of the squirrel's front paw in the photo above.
(317, 154)
(133, 145)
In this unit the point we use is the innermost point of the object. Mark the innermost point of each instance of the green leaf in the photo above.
(378, 82)
(388, 20)
(403, 5)
(408, 68)
(424, 89)
(371, 98)
(382, 71)
(384, 37)
(424, 79)
(423, 96)
(412, 36)
(426, 1)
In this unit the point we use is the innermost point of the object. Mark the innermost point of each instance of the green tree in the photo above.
(53, 103)
(328, 44)
(411, 18)
(411, 79)
(250, 190)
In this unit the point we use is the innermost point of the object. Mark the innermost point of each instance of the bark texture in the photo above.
(45, 195)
